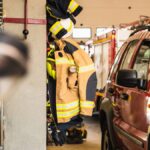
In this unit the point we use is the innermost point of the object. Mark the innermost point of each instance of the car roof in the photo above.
(145, 34)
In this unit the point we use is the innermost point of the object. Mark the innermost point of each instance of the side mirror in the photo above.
(127, 78)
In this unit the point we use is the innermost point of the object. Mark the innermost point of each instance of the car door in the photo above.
(131, 123)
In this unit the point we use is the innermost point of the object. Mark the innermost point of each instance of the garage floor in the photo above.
(93, 140)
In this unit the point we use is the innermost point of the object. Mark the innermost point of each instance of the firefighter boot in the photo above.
(76, 134)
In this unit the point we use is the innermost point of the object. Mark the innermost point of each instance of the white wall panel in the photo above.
(25, 111)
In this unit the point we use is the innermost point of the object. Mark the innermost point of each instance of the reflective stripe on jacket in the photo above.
(61, 9)
(75, 91)
(51, 69)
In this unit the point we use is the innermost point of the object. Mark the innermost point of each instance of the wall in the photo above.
(25, 111)
(104, 13)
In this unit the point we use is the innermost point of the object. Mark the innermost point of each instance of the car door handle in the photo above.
(111, 90)
(124, 96)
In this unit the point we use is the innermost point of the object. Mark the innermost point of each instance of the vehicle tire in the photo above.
(105, 140)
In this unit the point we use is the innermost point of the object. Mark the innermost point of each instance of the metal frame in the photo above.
(28, 21)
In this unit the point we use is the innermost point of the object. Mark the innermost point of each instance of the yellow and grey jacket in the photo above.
(75, 81)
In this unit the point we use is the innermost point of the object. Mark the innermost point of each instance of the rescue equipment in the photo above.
(68, 26)
(76, 134)
(58, 10)
(74, 8)
(51, 69)
(63, 8)
(75, 87)
(62, 29)
(71, 75)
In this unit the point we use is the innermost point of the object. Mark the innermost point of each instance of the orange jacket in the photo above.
(75, 81)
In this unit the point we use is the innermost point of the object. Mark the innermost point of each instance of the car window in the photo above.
(141, 63)
(128, 54)
(116, 62)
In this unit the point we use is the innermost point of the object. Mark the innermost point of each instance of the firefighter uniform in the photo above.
(61, 9)
(51, 84)
(75, 81)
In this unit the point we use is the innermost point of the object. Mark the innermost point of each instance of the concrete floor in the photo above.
(93, 139)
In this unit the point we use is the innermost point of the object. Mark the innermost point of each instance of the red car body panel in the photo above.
(130, 119)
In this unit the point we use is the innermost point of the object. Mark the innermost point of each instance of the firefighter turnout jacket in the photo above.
(75, 80)
(61, 9)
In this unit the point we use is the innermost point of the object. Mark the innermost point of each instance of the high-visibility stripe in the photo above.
(51, 59)
(67, 106)
(51, 52)
(87, 104)
(48, 104)
(114, 104)
(100, 94)
(86, 68)
(56, 27)
(51, 71)
(64, 61)
(73, 6)
(70, 27)
(67, 114)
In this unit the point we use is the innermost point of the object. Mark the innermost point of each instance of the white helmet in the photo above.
(68, 25)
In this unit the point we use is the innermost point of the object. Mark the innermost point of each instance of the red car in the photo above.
(125, 109)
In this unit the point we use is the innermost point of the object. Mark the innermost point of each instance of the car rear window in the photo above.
(142, 60)
(129, 52)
